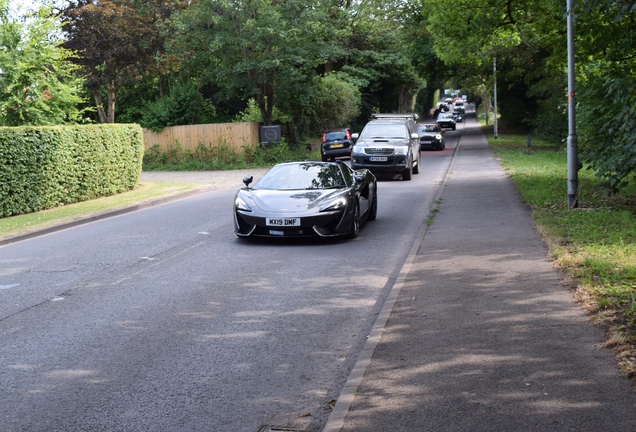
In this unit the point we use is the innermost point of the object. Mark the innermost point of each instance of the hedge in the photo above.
(47, 166)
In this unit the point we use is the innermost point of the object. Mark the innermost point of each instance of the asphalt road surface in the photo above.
(162, 320)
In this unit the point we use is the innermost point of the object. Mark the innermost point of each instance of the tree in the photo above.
(248, 48)
(527, 37)
(38, 83)
(117, 42)
(607, 89)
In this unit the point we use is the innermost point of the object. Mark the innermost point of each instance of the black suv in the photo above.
(336, 143)
(389, 143)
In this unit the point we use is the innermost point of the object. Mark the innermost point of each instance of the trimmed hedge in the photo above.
(47, 166)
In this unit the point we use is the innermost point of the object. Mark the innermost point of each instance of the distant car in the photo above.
(458, 117)
(459, 107)
(389, 143)
(446, 121)
(431, 136)
(336, 143)
(304, 199)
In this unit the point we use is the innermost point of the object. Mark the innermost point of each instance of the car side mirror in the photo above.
(355, 136)
(415, 135)
(247, 180)
(358, 178)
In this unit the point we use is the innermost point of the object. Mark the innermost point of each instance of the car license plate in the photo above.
(378, 159)
(282, 222)
(336, 145)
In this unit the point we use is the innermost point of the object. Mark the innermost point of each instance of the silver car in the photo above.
(389, 143)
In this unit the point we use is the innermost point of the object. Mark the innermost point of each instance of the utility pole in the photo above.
(572, 142)
(494, 79)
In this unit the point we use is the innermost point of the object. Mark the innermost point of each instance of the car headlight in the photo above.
(438, 136)
(401, 150)
(337, 204)
(357, 150)
(241, 204)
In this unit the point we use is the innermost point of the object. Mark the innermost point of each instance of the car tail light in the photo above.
(324, 137)
(348, 134)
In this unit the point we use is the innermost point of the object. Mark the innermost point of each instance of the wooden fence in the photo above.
(233, 135)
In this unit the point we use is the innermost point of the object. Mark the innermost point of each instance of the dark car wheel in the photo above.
(324, 158)
(407, 174)
(373, 211)
(355, 223)
(416, 168)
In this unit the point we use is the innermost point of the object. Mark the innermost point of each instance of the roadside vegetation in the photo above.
(593, 245)
(224, 157)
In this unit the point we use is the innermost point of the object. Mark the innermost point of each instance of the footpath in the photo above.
(482, 335)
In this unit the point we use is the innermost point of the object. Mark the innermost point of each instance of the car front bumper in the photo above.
(323, 224)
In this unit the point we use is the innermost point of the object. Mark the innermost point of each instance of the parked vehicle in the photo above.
(389, 143)
(302, 199)
(336, 143)
(431, 136)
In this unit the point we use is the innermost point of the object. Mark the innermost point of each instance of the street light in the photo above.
(572, 142)
(494, 80)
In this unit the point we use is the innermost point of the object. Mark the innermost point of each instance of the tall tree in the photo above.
(38, 83)
(607, 89)
(117, 41)
(248, 48)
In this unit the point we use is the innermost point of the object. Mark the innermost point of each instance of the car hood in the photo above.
(383, 142)
(293, 200)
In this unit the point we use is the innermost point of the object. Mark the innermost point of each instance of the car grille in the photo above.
(378, 151)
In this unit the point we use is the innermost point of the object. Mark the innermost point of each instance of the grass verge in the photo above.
(145, 191)
(593, 245)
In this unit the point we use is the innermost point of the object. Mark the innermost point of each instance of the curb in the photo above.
(105, 215)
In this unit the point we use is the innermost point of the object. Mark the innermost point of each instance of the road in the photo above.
(162, 320)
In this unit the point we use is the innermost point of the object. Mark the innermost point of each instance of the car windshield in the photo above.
(302, 176)
(426, 128)
(337, 135)
(384, 130)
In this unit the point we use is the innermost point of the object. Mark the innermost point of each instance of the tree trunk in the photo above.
(265, 101)
(110, 115)
(100, 106)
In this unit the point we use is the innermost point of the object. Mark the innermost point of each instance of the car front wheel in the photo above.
(373, 212)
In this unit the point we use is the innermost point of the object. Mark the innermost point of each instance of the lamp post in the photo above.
(494, 80)
(572, 141)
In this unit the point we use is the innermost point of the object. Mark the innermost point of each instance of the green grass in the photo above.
(594, 244)
(145, 191)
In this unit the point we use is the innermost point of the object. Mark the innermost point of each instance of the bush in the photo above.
(44, 167)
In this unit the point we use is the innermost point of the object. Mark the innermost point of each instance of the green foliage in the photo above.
(44, 167)
(326, 102)
(220, 156)
(184, 105)
(607, 130)
(38, 83)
